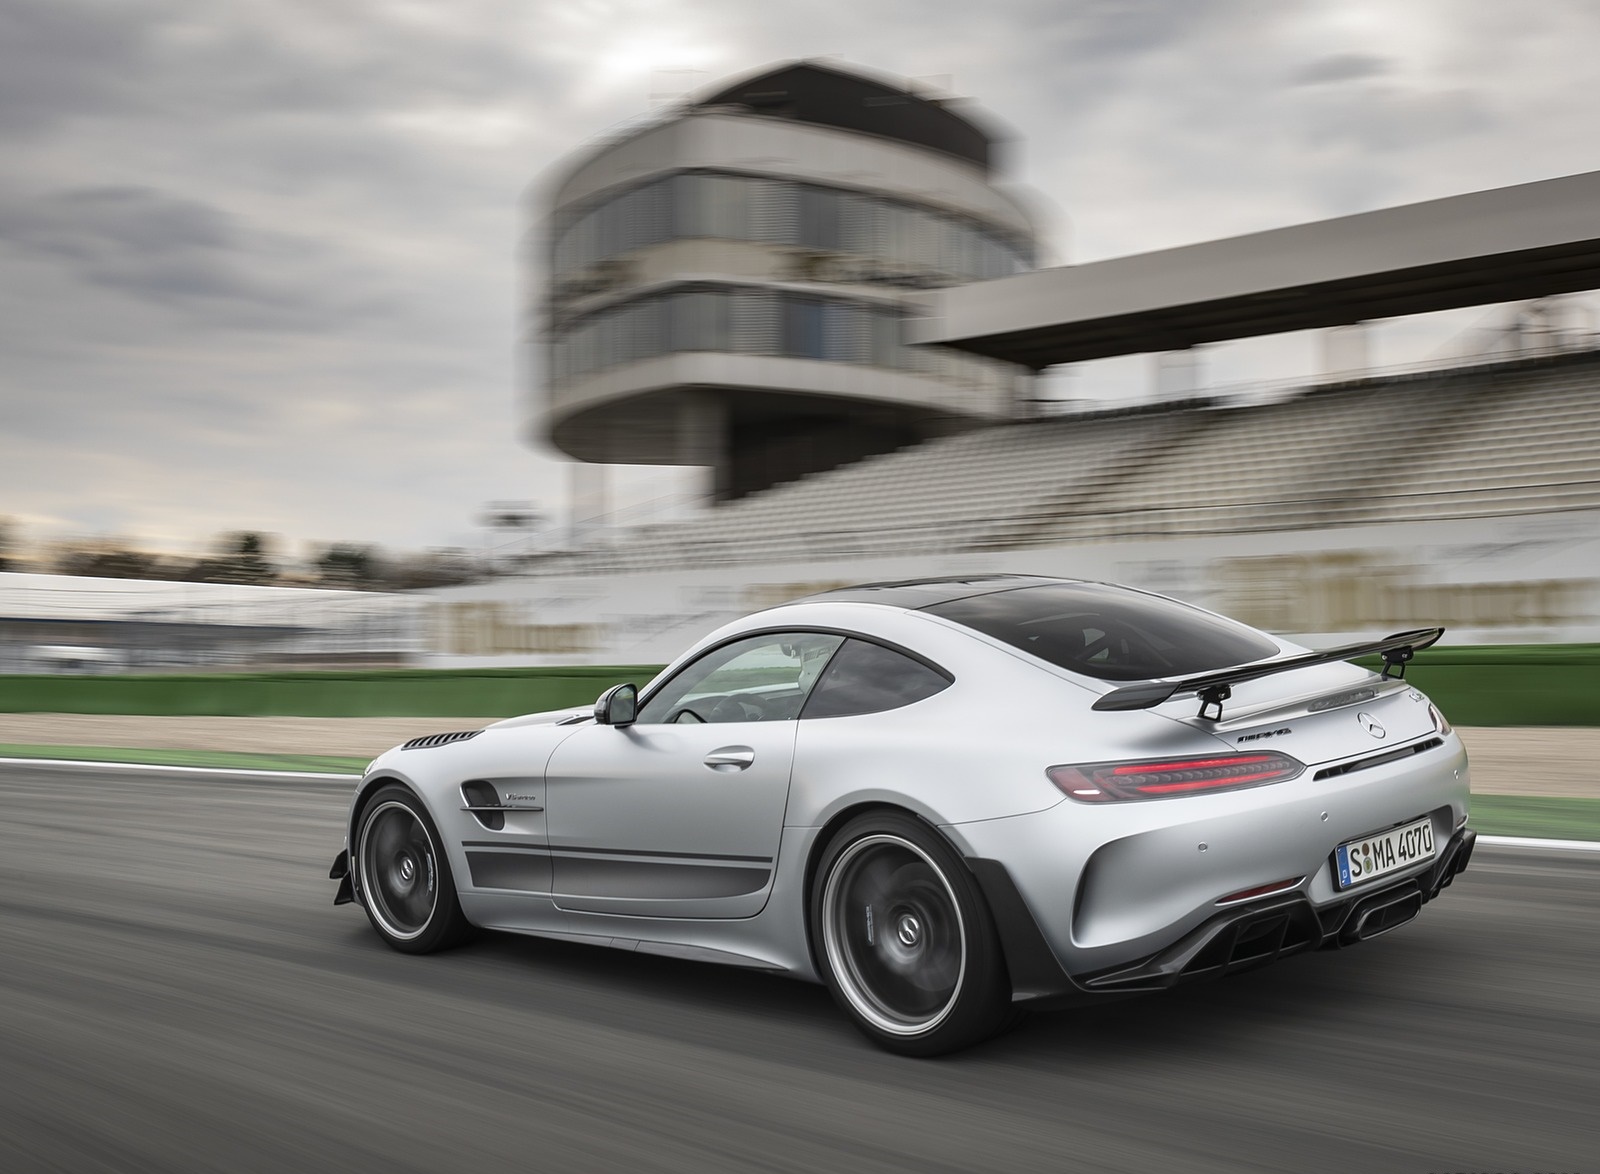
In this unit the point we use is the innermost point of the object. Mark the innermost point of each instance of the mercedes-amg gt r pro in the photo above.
(946, 799)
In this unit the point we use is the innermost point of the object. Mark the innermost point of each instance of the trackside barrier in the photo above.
(1512, 685)
(374, 693)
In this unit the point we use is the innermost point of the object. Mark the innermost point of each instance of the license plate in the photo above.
(1360, 861)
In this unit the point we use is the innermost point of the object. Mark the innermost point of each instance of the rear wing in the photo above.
(1214, 688)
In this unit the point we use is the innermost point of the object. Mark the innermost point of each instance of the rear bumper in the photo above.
(1243, 937)
(1112, 885)
(1247, 936)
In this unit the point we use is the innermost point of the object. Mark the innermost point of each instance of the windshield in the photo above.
(1109, 632)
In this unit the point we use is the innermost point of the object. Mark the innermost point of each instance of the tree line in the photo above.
(252, 558)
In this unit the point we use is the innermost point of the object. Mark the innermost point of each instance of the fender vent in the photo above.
(428, 741)
(479, 794)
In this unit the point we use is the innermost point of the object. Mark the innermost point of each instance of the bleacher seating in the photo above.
(1512, 438)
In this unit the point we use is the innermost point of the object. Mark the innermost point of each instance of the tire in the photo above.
(904, 939)
(403, 878)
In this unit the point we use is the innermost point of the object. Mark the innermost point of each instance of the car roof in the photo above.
(916, 594)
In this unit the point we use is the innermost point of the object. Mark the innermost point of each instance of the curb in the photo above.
(1539, 845)
(225, 771)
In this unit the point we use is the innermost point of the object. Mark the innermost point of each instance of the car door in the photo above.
(680, 813)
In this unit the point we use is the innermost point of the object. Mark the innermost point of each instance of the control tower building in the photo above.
(729, 284)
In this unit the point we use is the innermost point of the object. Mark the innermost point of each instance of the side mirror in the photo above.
(618, 706)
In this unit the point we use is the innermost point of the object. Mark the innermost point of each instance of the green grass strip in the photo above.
(312, 763)
(1536, 685)
(1510, 684)
(1534, 815)
(335, 693)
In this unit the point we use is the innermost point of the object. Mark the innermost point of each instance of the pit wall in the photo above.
(374, 693)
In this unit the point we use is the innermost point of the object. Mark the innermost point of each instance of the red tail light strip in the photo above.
(1210, 784)
(1196, 764)
(1111, 782)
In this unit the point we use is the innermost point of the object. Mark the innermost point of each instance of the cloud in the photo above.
(259, 262)
(1342, 67)
(182, 253)
(62, 59)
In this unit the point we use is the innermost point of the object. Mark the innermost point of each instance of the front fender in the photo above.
(510, 757)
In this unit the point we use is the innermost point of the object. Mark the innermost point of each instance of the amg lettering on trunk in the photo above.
(1266, 734)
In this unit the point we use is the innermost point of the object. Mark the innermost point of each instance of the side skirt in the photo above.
(641, 946)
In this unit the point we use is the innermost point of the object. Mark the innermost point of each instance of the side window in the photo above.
(869, 678)
(758, 679)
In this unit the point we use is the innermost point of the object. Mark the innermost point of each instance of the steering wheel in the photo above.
(1095, 648)
(737, 709)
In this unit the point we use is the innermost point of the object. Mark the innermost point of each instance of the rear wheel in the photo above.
(403, 877)
(906, 942)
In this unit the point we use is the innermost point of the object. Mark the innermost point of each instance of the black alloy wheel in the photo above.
(403, 877)
(904, 938)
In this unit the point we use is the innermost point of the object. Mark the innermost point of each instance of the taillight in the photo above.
(1166, 778)
(1438, 719)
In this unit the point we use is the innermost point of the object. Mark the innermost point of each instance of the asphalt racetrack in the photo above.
(177, 993)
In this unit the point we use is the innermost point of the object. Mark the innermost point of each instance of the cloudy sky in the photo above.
(259, 258)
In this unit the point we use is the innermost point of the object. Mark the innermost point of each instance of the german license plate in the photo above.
(1360, 861)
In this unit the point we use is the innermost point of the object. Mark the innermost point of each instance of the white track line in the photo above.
(230, 771)
(1538, 844)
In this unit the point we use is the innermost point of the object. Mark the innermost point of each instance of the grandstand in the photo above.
(1466, 494)
(975, 474)
(1519, 437)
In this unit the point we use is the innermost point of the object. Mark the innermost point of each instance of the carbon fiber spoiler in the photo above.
(1214, 688)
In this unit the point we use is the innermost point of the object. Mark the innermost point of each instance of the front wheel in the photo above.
(906, 941)
(403, 877)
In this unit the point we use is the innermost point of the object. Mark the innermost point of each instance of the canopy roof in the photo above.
(1503, 245)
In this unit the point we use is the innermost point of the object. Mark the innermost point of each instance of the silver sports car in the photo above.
(946, 799)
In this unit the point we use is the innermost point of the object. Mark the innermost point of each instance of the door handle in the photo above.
(728, 758)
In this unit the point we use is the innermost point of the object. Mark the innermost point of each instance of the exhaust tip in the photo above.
(1378, 916)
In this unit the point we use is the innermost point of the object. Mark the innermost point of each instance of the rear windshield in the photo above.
(1109, 632)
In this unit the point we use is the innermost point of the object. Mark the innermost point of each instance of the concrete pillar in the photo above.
(703, 440)
(588, 500)
(1174, 374)
(702, 430)
(1346, 350)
